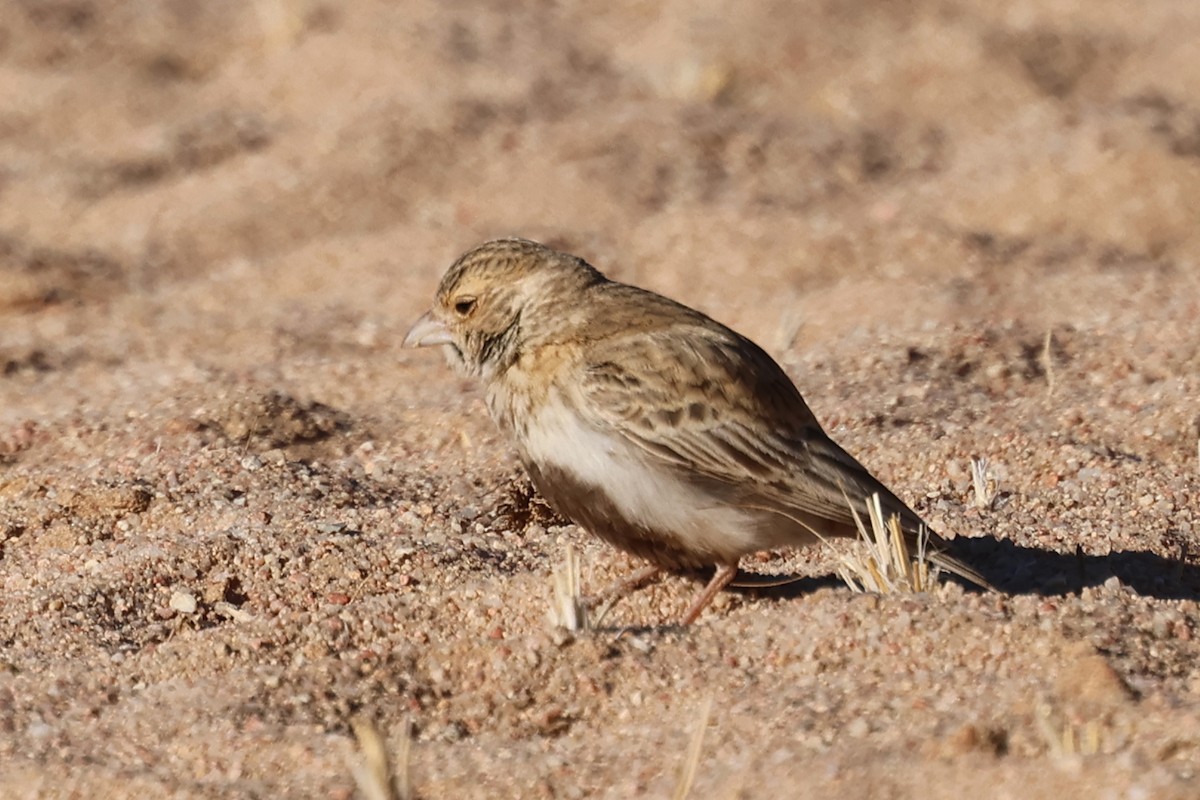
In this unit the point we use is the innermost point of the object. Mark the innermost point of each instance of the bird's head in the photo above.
(499, 298)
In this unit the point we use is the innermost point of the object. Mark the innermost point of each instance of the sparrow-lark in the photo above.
(644, 421)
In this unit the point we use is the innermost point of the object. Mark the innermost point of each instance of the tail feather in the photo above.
(940, 558)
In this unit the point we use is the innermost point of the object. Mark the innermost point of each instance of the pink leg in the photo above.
(720, 579)
(638, 580)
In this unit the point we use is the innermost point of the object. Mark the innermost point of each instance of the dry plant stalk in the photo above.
(569, 610)
(982, 483)
(687, 770)
(1048, 359)
(788, 330)
(373, 772)
(885, 564)
(1066, 740)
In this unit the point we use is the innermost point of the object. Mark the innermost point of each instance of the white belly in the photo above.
(645, 491)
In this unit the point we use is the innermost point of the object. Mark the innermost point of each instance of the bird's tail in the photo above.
(943, 560)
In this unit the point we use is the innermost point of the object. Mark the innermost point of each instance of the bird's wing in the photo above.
(715, 406)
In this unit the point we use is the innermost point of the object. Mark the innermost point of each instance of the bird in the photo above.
(646, 422)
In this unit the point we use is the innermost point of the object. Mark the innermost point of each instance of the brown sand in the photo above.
(236, 515)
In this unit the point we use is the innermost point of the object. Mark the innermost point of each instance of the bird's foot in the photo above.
(721, 578)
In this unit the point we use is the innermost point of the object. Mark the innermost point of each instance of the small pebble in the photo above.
(183, 602)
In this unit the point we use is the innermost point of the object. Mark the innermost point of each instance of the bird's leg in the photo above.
(720, 579)
(638, 580)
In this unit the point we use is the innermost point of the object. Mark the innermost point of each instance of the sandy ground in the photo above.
(235, 515)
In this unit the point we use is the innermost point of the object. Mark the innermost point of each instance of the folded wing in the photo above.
(716, 407)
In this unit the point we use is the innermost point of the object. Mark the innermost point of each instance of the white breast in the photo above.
(646, 491)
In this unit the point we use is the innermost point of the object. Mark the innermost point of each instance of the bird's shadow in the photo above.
(1013, 569)
(1009, 568)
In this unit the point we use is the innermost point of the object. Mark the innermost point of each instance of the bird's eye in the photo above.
(464, 306)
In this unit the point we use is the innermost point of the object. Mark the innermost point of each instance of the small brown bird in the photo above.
(644, 421)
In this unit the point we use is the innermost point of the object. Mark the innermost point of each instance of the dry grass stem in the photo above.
(982, 483)
(1066, 740)
(1048, 359)
(568, 611)
(885, 564)
(373, 772)
(687, 771)
(788, 330)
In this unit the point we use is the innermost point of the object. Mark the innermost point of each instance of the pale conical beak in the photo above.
(427, 332)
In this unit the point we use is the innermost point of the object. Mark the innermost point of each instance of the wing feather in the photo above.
(715, 406)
